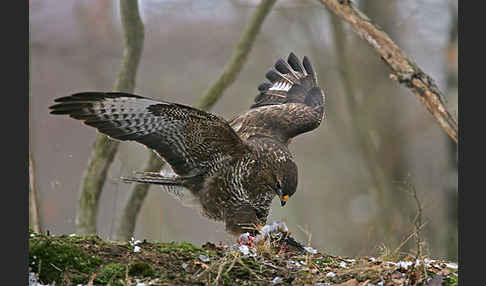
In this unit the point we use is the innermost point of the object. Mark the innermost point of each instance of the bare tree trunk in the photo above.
(405, 71)
(239, 56)
(104, 149)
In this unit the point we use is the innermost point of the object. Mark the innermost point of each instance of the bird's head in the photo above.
(286, 184)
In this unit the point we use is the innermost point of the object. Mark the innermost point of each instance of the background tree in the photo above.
(104, 148)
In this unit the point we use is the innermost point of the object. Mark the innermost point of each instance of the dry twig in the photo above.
(417, 221)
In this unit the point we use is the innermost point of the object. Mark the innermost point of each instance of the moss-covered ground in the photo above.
(73, 260)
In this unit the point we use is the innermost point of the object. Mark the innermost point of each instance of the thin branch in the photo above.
(404, 70)
(34, 217)
(417, 222)
(414, 233)
(34, 221)
(285, 6)
(239, 56)
(104, 149)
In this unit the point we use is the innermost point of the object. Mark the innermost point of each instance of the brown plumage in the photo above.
(233, 169)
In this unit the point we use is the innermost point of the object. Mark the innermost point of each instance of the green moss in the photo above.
(111, 273)
(180, 247)
(227, 280)
(299, 259)
(141, 270)
(93, 239)
(325, 260)
(50, 258)
(451, 280)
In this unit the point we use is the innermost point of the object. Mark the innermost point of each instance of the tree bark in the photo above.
(104, 149)
(404, 70)
(239, 56)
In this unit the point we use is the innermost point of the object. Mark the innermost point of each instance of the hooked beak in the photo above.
(283, 200)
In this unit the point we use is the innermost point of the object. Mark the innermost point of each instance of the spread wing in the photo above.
(190, 140)
(289, 103)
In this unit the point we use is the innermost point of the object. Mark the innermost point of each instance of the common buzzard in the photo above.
(234, 168)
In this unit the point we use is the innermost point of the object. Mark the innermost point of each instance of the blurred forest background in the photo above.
(350, 198)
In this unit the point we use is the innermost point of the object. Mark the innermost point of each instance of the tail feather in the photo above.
(174, 185)
(154, 178)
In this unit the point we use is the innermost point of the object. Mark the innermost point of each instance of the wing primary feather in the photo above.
(282, 66)
(273, 76)
(309, 69)
(295, 63)
(264, 86)
(289, 82)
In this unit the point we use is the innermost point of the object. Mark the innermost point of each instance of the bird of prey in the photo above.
(233, 169)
